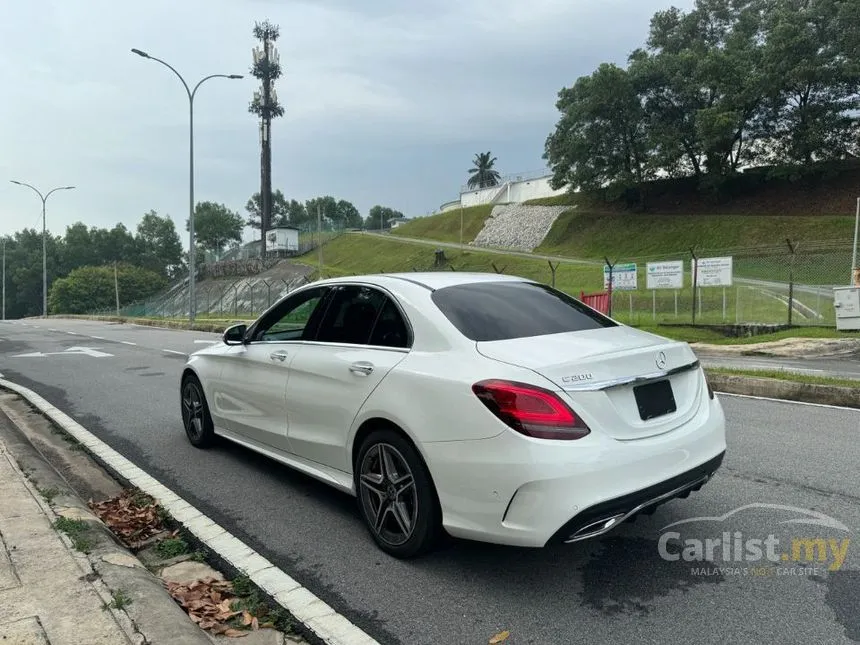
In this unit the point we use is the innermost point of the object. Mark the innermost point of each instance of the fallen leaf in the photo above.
(501, 637)
(246, 618)
(235, 633)
(255, 624)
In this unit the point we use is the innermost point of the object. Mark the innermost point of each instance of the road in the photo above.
(615, 589)
(833, 367)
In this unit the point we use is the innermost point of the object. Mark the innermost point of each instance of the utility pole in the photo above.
(319, 239)
(116, 287)
(4, 278)
(265, 104)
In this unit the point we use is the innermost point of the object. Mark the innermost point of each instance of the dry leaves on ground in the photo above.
(134, 517)
(501, 637)
(209, 603)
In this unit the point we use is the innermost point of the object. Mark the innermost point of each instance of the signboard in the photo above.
(713, 272)
(665, 275)
(623, 277)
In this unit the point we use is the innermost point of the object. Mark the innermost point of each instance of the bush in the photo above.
(90, 289)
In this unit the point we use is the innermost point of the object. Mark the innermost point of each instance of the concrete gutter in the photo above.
(788, 390)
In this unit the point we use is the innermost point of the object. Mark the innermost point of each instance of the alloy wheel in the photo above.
(192, 410)
(388, 494)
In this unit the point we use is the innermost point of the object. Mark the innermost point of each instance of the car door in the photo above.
(361, 337)
(251, 396)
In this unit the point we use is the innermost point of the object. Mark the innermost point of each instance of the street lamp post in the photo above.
(191, 94)
(44, 199)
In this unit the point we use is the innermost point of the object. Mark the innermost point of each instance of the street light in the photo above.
(44, 198)
(191, 93)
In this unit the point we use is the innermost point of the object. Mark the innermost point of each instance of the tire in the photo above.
(195, 413)
(404, 520)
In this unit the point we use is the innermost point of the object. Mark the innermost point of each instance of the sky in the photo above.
(387, 101)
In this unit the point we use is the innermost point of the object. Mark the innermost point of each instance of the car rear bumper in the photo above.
(515, 490)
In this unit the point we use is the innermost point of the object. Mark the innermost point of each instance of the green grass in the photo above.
(48, 494)
(359, 254)
(77, 531)
(119, 601)
(171, 547)
(635, 235)
(785, 375)
(445, 227)
(692, 334)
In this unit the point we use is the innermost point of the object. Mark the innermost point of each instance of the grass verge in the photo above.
(445, 227)
(785, 375)
(690, 334)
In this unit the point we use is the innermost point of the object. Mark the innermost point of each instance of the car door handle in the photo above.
(278, 356)
(362, 367)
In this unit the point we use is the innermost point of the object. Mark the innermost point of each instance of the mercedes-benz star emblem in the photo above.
(661, 360)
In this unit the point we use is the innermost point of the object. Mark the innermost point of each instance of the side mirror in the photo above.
(235, 335)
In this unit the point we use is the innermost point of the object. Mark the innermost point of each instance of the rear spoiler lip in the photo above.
(597, 386)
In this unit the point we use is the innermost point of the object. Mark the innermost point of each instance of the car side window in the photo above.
(361, 315)
(390, 329)
(294, 319)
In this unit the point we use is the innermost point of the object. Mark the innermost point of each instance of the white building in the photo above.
(282, 238)
(512, 189)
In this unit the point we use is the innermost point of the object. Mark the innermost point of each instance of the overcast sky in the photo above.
(386, 100)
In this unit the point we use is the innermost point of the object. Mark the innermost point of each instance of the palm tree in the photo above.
(482, 174)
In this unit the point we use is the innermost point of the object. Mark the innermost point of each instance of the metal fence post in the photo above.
(611, 267)
(695, 285)
(792, 248)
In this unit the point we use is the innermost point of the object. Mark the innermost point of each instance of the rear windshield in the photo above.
(486, 311)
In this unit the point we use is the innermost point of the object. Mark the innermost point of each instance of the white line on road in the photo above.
(72, 333)
(127, 342)
(98, 337)
(205, 342)
(320, 618)
(173, 351)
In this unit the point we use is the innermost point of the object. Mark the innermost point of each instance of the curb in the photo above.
(318, 617)
(771, 388)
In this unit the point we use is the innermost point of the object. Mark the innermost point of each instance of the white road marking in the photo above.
(72, 333)
(320, 618)
(173, 351)
(206, 342)
(127, 342)
(87, 351)
(52, 330)
(98, 337)
(767, 398)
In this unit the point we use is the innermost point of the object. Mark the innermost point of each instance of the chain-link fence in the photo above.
(791, 283)
(783, 284)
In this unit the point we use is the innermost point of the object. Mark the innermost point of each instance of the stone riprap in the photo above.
(518, 226)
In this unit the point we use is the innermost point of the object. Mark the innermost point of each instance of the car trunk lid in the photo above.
(629, 383)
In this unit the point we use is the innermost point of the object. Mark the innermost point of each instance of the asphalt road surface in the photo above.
(832, 367)
(614, 589)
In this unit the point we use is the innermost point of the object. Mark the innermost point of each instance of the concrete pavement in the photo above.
(608, 590)
(46, 595)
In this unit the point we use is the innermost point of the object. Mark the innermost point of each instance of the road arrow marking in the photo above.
(86, 351)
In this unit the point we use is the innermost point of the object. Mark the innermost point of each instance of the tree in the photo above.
(89, 289)
(324, 208)
(347, 214)
(482, 173)
(813, 84)
(280, 210)
(216, 226)
(158, 244)
(379, 217)
(701, 84)
(601, 136)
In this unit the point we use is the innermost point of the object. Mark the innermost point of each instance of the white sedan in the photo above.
(490, 407)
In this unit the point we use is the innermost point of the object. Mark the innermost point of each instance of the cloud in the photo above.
(386, 100)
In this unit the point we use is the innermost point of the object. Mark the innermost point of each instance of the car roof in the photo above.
(429, 279)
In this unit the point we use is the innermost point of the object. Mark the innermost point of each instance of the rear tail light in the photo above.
(530, 410)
